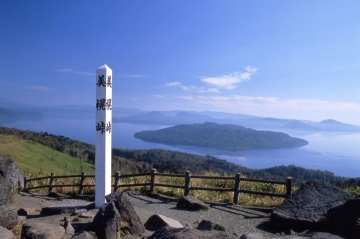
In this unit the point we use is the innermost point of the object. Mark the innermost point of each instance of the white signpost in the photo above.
(103, 134)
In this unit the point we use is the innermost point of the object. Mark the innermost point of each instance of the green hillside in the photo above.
(40, 153)
(34, 158)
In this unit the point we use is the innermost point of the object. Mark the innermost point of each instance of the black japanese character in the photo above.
(100, 104)
(101, 81)
(108, 104)
(109, 83)
(100, 127)
(108, 127)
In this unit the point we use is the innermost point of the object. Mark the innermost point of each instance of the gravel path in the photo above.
(237, 220)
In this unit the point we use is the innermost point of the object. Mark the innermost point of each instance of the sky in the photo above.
(283, 59)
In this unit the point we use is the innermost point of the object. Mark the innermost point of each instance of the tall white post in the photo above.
(103, 134)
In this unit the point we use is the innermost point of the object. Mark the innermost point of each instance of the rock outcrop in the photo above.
(107, 222)
(130, 220)
(191, 203)
(10, 178)
(308, 206)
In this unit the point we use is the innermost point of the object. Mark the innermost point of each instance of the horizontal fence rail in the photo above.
(152, 183)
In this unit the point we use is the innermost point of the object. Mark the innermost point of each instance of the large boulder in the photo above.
(10, 178)
(191, 203)
(37, 230)
(8, 217)
(344, 220)
(158, 221)
(106, 223)
(130, 220)
(186, 232)
(307, 207)
(6, 234)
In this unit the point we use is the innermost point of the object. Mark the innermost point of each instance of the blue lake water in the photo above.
(335, 152)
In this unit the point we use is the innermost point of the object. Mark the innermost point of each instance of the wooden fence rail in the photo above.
(152, 183)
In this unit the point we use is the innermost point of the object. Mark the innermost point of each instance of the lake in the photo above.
(335, 152)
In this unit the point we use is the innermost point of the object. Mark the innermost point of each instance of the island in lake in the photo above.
(221, 136)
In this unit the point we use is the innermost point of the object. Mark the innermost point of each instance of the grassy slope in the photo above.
(35, 159)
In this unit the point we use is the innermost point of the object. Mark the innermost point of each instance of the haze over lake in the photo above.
(335, 152)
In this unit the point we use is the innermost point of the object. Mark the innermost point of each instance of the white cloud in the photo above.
(229, 82)
(177, 84)
(159, 96)
(191, 87)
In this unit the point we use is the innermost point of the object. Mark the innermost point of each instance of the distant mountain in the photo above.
(255, 122)
(176, 117)
(226, 136)
(13, 115)
(10, 104)
(159, 118)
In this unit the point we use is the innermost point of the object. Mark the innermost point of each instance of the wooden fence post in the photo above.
(51, 183)
(117, 180)
(237, 188)
(25, 183)
(187, 183)
(152, 180)
(288, 186)
(81, 185)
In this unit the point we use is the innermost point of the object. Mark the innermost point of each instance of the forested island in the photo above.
(221, 136)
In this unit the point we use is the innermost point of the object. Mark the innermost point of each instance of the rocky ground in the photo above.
(237, 220)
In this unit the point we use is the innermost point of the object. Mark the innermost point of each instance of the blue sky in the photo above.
(285, 59)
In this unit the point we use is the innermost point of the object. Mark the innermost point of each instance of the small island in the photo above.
(221, 136)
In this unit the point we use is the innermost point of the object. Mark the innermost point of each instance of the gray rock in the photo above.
(80, 211)
(107, 221)
(186, 232)
(307, 207)
(6, 234)
(209, 226)
(252, 236)
(40, 230)
(344, 220)
(8, 216)
(83, 235)
(10, 178)
(130, 220)
(89, 214)
(55, 210)
(158, 221)
(191, 203)
(69, 230)
(324, 235)
(290, 237)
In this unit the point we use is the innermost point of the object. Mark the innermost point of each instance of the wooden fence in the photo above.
(152, 183)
